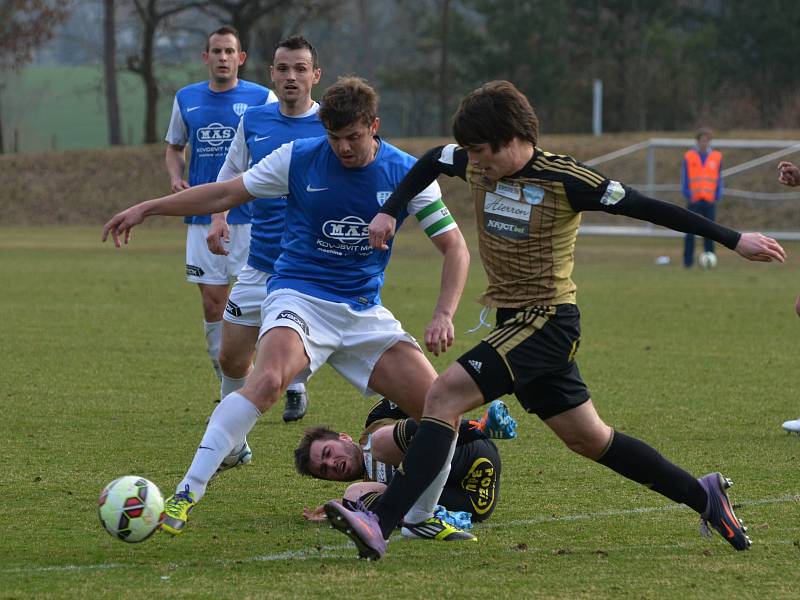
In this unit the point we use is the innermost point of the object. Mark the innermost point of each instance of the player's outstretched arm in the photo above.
(208, 198)
(439, 334)
(758, 247)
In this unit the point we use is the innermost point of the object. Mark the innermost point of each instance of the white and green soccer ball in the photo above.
(707, 260)
(131, 508)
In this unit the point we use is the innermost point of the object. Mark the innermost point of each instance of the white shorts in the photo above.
(246, 298)
(350, 341)
(204, 267)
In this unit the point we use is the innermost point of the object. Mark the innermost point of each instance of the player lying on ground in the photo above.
(528, 204)
(472, 487)
(323, 303)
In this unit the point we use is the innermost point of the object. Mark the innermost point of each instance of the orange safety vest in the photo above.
(703, 177)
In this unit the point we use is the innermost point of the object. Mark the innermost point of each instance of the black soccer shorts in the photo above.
(531, 353)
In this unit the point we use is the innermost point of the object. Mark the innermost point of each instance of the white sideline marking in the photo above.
(337, 550)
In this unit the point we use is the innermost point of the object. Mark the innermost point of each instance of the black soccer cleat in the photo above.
(296, 406)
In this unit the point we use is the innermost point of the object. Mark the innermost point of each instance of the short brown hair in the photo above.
(224, 30)
(494, 114)
(349, 100)
(703, 131)
(302, 454)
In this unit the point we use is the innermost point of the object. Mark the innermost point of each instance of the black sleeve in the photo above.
(636, 205)
(422, 174)
(384, 409)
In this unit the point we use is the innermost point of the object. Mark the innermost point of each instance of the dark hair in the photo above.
(494, 114)
(298, 42)
(224, 30)
(347, 101)
(703, 131)
(302, 454)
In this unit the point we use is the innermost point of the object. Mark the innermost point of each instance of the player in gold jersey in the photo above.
(528, 204)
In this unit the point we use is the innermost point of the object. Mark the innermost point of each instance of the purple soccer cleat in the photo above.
(719, 512)
(361, 526)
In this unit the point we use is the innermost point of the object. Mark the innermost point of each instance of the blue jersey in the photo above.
(325, 251)
(265, 128)
(207, 121)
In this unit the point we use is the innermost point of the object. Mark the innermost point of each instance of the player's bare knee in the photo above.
(592, 445)
(233, 364)
(442, 403)
(263, 389)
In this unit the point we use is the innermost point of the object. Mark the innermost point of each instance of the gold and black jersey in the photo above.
(528, 222)
(527, 229)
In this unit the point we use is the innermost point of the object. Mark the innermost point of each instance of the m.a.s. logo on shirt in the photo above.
(215, 134)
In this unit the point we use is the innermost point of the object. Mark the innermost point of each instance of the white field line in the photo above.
(340, 550)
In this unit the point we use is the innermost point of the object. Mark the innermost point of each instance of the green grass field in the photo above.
(104, 373)
(63, 107)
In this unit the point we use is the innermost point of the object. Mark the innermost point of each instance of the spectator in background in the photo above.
(789, 174)
(702, 187)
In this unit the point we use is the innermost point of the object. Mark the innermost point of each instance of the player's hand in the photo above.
(439, 334)
(178, 185)
(788, 174)
(381, 230)
(316, 514)
(760, 248)
(122, 223)
(218, 236)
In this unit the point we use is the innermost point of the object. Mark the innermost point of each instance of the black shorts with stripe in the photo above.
(531, 353)
(473, 484)
(474, 481)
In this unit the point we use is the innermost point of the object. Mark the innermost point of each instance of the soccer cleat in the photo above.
(296, 405)
(176, 511)
(496, 423)
(792, 426)
(719, 512)
(360, 525)
(233, 460)
(436, 529)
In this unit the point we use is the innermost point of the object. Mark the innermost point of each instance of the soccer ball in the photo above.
(707, 260)
(130, 508)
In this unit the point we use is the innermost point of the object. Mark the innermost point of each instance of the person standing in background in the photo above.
(702, 187)
(204, 117)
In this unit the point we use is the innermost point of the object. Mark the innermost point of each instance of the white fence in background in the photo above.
(780, 149)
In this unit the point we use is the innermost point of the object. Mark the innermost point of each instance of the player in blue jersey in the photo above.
(324, 302)
(204, 117)
(295, 70)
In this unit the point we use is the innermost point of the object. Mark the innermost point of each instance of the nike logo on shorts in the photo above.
(313, 189)
(192, 108)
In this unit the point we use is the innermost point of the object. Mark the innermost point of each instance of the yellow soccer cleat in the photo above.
(436, 529)
(176, 512)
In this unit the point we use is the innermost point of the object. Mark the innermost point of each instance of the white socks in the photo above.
(227, 428)
(230, 385)
(213, 333)
(422, 509)
(296, 387)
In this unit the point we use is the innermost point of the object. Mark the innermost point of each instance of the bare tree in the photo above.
(110, 71)
(444, 90)
(152, 14)
(247, 15)
(24, 26)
